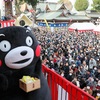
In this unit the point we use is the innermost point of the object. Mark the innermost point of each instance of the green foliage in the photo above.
(96, 5)
(81, 5)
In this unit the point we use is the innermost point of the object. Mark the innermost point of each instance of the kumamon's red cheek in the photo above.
(0, 63)
(38, 51)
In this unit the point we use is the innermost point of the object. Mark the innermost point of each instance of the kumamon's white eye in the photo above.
(5, 46)
(29, 41)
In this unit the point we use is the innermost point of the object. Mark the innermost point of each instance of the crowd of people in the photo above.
(73, 55)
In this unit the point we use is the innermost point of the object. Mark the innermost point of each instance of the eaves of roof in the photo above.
(48, 16)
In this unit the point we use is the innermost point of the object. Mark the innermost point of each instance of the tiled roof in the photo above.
(75, 17)
(56, 16)
(48, 16)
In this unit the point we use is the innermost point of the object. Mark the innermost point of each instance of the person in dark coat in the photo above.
(66, 70)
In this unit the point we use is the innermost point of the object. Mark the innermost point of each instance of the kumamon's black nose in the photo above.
(23, 53)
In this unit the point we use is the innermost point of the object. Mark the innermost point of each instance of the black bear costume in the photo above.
(20, 56)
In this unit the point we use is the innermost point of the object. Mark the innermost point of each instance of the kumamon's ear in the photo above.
(28, 27)
(38, 67)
